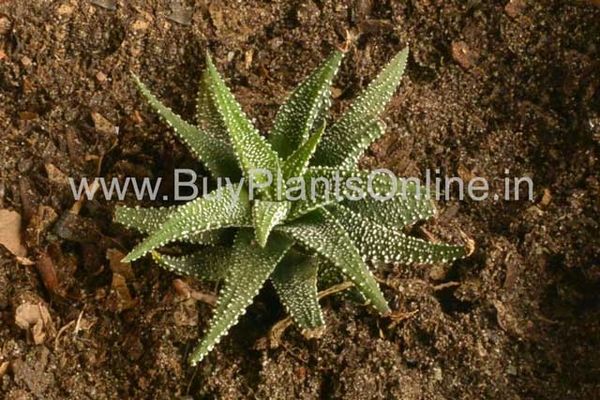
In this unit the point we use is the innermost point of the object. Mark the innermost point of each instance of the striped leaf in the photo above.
(297, 163)
(266, 215)
(405, 208)
(148, 220)
(208, 264)
(207, 113)
(326, 185)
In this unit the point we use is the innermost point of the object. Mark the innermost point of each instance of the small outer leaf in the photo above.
(222, 208)
(209, 264)
(350, 136)
(297, 163)
(266, 215)
(148, 220)
(295, 280)
(296, 117)
(251, 149)
(320, 232)
(378, 243)
(249, 268)
(215, 154)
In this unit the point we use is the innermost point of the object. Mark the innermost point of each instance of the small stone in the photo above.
(102, 124)
(248, 57)
(106, 4)
(10, 232)
(26, 61)
(5, 25)
(140, 25)
(35, 318)
(514, 8)
(463, 55)
(100, 77)
(336, 92)
(546, 198)
(180, 14)
(3, 368)
(437, 273)
(55, 175)
(65, 9)
(437, 374)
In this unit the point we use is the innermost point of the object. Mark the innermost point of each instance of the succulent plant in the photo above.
(292, 243)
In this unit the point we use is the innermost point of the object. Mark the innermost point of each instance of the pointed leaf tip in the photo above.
(248, 269)
(252, 150)
(354, 132)
(296, 118)
(266, 215)
(214, 153)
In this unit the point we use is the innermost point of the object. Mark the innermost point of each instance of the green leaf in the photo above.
(329, 276)
(249, 267)
(345, 142)
(207, 113)
(207, 264)
(251, 149)
(327, 185)
(378, 243)
(295, 280)
(222, 208)
(214, 153)
(266, 215)
(320, 232)
(405, 208)
(297, 163)
(148, 220)
(296, 117)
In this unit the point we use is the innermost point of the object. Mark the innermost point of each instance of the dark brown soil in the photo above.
(490, 86)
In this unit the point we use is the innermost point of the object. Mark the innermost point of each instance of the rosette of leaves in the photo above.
(291, 243)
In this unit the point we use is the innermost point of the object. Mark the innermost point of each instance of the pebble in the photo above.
(514, 8)
(463, 55)
(5, 25)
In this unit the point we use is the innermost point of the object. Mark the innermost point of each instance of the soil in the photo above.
(490, 86)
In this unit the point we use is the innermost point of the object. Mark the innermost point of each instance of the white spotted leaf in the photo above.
(214, 153)
(378, 243)
(296, 117)
(222, 208)
(266, 215)
(295, 281)
(252, 150)
(351, 135)
(249, 268)
(320, 232)
(208, 264)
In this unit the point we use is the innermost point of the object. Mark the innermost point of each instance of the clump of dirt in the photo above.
(490, 86)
